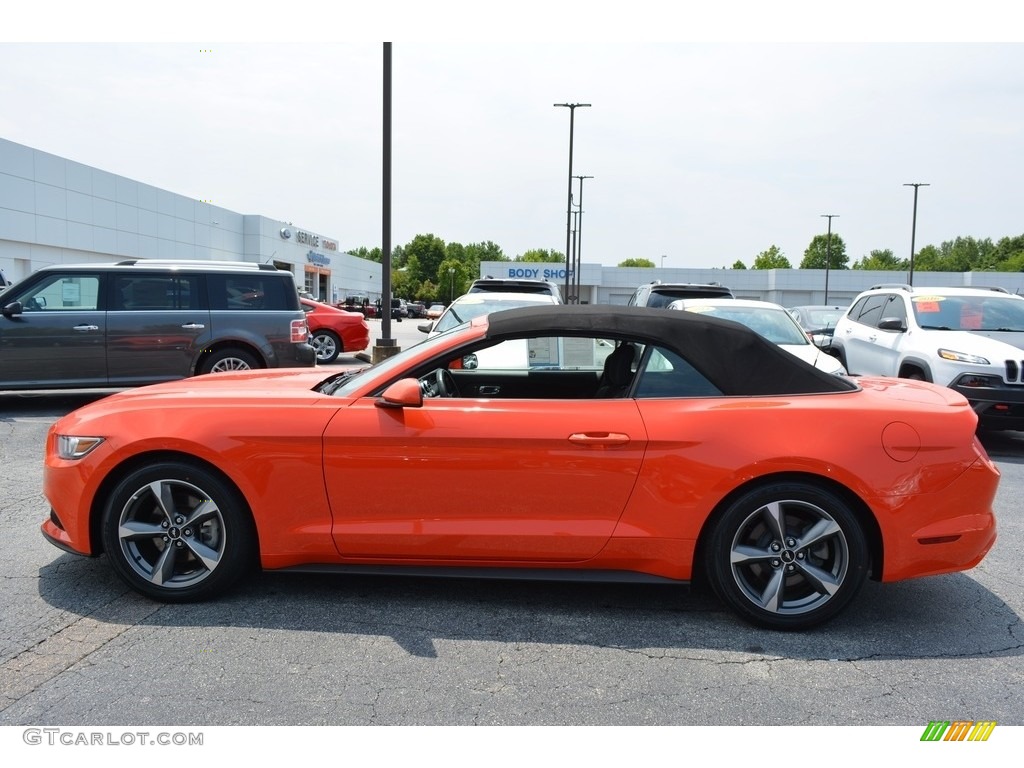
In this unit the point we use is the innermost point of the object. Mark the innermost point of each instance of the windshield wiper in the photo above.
(329, 387)
(936, 328)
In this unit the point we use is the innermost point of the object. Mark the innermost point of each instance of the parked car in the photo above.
(509, 285)
(659, 294)
(416, 309)
(665, 460)
(818, 321)
(333, 331)
(434, 311)
(771, 321)
(144, 321)
(361, 304)
(969, 339)
(471, 305)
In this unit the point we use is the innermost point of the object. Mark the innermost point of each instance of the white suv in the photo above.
(968, 339)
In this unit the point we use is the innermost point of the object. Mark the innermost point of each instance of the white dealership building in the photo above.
(58, 211)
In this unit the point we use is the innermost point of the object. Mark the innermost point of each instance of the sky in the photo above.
(702, 152)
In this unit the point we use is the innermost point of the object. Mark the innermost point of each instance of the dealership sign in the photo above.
(536, 273)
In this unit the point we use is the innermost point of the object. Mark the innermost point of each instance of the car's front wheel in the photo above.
(228, 360)
(787, 556)
(327, 346)
(177, 532)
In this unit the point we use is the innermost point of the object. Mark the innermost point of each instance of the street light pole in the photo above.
(579, 242)
(913, 229)
(451, 289)
(828, 248)
(568, 207)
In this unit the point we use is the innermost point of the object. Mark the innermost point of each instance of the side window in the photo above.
(67, 293)
(155, 292)
(666, 374)
(542, 353)
(871, 310)
(894, 309)
(248, 292)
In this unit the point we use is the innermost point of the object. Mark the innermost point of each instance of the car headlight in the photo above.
(962, 357)
(73, 447)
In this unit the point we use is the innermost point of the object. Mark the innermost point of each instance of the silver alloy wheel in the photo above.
(230, 364)
(172, 534)
(326, 347)
(789, 557)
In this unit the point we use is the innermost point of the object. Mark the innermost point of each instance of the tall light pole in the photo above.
(579, 243)
(451, 289)
(828, 248)
(568, 206)
(913, 229)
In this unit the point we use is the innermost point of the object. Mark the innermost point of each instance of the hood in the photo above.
(813, 355)
(996, 346)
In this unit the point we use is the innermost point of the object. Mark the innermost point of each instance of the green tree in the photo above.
(365, 253)
(772, 258)
(452, 279)
(424, 255)
(485, 251)
(928, 259)
(880, 259)
(738, 265)
(644, 263)
(1009, 254)
(815, 255)
(541, 255)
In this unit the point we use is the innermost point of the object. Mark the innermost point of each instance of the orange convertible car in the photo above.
(588, 442)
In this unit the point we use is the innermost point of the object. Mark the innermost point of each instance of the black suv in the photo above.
(146, 321)
(659, 294)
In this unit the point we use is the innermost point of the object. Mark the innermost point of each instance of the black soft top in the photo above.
(731, 356)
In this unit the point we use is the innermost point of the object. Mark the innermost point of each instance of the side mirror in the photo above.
(425, 327)
(405, 393)
(14, 308)
(891, 324)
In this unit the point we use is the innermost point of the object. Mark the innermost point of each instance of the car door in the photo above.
(58, 337)
(481, 479)
(157, 325)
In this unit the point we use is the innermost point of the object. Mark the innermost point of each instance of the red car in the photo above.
(333, 331)
(615, 443)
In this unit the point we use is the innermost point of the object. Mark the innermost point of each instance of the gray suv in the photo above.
(146, 321)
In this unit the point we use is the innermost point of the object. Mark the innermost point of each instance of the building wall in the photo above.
(57, 211)
(788, 287)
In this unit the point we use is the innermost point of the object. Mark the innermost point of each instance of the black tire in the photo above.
(787, 556)
(176, 532)
(327, 345)
(229, 359)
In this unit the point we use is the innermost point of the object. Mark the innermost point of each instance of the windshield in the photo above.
(346, 383)
(970, 313)
(776, 325)
(474, 305)
(822, 318)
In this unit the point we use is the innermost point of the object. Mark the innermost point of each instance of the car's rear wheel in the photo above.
(327, 346)
(787, 556)
(177, 532)
(228, 360)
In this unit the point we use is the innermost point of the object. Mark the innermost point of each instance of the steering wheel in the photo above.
(446, 386)
(439, 383)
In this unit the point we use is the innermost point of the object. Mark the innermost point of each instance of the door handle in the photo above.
(488, 390)
(193, 326)
(84, 328)
(598, 438)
